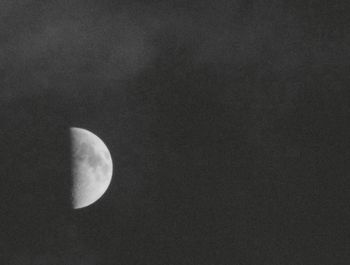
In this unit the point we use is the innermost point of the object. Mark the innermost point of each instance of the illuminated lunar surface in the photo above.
(92, 167)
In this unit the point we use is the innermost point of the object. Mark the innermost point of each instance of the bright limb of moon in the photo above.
(92, 167)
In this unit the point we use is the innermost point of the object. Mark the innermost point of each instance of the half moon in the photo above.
(92, 167)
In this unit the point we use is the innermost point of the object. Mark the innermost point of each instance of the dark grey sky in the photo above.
(227, 122)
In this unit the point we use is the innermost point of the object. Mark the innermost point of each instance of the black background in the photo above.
(227, 122)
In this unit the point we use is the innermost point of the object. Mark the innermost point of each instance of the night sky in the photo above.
(227, 121)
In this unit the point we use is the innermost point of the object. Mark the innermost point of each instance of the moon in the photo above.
(91, 165)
